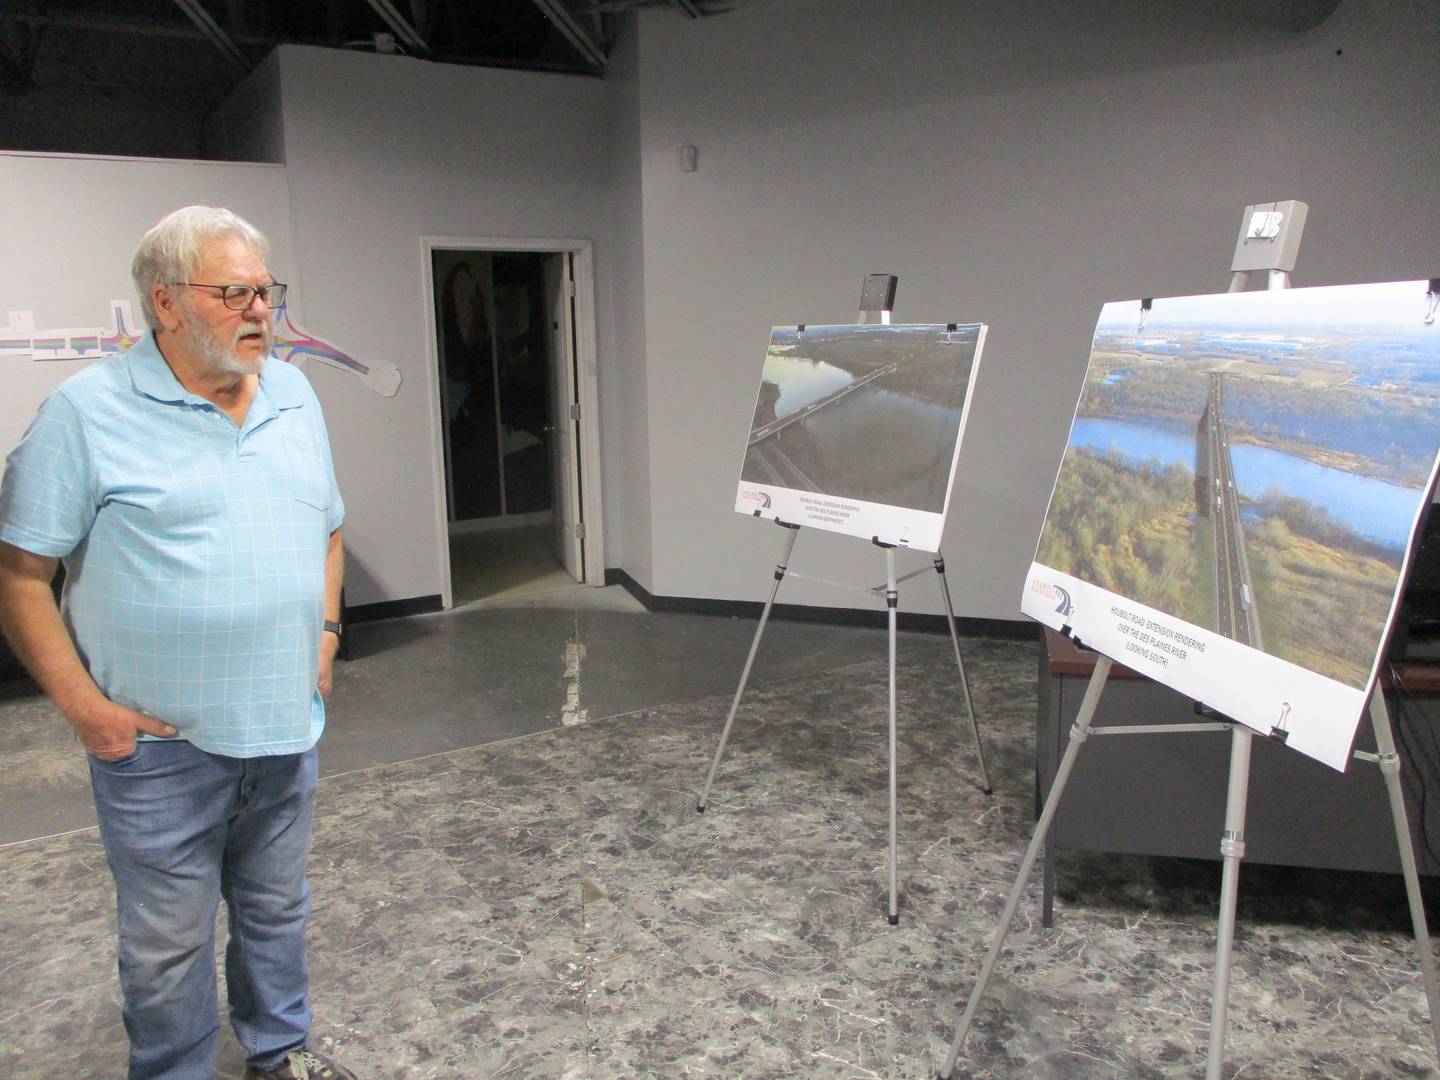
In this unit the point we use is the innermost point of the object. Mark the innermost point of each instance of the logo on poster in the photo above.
(1053, 592)
(760, 498)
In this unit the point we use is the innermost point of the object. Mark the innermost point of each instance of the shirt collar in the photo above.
(151, 375)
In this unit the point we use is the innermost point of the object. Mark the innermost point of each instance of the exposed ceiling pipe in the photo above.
(559, 14)
(401, 25)
(211, 29)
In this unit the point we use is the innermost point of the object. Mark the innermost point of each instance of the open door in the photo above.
(512, 375)
(565, 416)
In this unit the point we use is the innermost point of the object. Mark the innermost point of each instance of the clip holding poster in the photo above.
(1235, 508)
(857, 428)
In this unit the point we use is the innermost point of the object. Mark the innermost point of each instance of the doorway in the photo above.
(506, 340)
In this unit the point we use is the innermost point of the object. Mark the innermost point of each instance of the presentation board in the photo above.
(1234, 511)
(857, 428)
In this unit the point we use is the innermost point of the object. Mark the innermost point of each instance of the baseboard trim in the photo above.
(1008, 629)
(393, 609)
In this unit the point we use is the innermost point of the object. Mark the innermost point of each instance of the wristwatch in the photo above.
(333, 628)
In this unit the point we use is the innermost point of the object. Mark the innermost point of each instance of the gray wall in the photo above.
(1013, 164)
(249, 124)
(381, 151)
(626, 415)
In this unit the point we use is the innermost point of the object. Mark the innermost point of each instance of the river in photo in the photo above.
(885, 447)
(802, 381)
(1374, 509)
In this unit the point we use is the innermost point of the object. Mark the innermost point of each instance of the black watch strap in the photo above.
(331, 627)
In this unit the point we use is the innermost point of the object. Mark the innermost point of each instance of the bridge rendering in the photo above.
(1218, 499)
(765, 431)
(765, 450)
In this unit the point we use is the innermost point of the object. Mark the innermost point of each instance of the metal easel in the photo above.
(877, 301)
(1269, 239)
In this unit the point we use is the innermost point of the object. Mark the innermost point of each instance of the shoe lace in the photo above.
(302, 1062)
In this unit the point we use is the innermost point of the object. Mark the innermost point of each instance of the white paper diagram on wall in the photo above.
(1234, 512)
(293, 343)
(19, 338)
(857, 428)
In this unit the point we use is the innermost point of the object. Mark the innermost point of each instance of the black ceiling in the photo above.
(141, 76)
(205, 47)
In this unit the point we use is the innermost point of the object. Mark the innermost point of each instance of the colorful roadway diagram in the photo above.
(293, 342)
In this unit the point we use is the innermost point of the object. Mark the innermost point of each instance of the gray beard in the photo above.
(220, 358)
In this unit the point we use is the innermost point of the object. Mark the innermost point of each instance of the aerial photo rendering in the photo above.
(1255, 464)
(868, 412)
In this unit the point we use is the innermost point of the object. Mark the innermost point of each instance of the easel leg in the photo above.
(1047, 888)
(1232, 850)
(1078, 734)
(892, 597)
(780, 569)
(1390, 770)
(964, 682)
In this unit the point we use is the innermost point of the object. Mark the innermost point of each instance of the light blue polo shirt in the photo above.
(194, 551)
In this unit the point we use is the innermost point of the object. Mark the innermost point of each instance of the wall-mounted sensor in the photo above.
(689, 158)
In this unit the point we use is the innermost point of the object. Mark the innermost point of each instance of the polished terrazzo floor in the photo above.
(499, 894)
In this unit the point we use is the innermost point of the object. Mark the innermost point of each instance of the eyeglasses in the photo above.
(240, 297)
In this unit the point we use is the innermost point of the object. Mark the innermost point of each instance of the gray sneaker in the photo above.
(301, 1065)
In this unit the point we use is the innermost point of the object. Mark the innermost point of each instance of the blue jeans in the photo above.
(182, 829)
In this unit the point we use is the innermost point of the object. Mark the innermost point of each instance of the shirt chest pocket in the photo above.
(309, 476)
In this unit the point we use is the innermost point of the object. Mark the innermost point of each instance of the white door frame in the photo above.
(587, 389)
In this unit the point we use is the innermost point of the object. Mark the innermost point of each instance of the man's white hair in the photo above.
(170, 251)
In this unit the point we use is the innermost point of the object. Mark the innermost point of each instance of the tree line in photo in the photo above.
(1383, 431)
(1322, 593)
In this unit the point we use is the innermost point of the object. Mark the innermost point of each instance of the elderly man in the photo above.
(188, 487)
